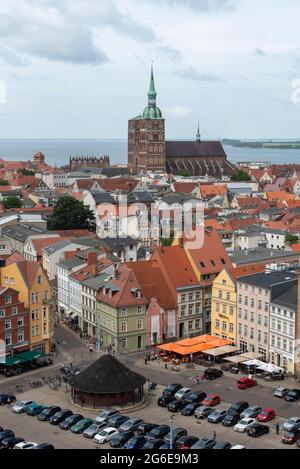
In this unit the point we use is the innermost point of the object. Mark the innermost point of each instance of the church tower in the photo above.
(146, 137)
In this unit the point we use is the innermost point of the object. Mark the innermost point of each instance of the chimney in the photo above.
(91, 258)
(95, 269)
(70, 254)
(116, 275)
(297, 332)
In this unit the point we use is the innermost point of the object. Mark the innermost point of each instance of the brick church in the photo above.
(148, 149)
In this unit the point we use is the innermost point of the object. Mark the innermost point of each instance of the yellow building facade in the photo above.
(224, 308)
(29, 278)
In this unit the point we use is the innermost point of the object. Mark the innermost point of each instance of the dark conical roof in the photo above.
(107, 376)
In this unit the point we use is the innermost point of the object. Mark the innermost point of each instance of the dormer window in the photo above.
(138, 294)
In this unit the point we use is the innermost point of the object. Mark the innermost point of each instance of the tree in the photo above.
(3, 182)
(71, 214)
(12, 202)
(184, 173)
(291, 239)
(241, 176)
(26, 172)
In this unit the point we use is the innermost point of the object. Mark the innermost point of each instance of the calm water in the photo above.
(58, 151)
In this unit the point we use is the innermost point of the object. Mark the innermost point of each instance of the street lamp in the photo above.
(171, 420)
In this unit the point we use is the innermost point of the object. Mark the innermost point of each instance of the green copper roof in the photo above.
(152, 111)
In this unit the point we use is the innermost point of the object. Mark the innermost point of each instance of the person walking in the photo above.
(214, 435)
(277, 427)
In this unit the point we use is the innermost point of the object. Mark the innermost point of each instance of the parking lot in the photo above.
(32, 429)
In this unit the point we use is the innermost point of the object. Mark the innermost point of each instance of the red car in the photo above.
(289, 438)
(245, 383)
(211, 400)
(266, 415)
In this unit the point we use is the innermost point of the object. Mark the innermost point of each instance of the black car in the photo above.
(70, 421)
(231, 419)
(154, 444)
(194, 397)
(204, 443)
(60, 416)
(117, 420)
(146, 428)
(176, 406)
(256, 430)
(177, 433)
(119, 440)
(7, 399)
(172, 389)
(293, 395)
(6, 434)
(9, 443)
(189, 409)
(222, 445)
(164, 401)
(44, 446)
(213, 373)
(44, 361)
(238, 407)
(185, 442)
(47, 413)
(159, 432)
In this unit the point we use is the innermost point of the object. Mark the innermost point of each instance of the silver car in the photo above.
(22, 406)
(251, 412)
(106, 415)
(280, 391)
(291, 423)
(131, 425)
(217, 416)
(94, 429)
(203, 412)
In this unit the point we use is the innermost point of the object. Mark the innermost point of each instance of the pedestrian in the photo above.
(91, 348)
(277, 428)
(214, 435)
(196, 379)
(58, 340)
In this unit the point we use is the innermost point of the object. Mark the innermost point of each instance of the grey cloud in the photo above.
(170, 53)
(259, 52)
(191, 73)
(204, 6)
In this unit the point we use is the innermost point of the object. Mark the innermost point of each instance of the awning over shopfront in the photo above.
(250, 358)
(195, 345)
(226, 350)
(31, 355)
(11, 361)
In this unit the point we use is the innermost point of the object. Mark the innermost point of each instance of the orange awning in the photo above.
(194, 345)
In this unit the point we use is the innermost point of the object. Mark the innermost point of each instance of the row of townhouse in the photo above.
(259, 311)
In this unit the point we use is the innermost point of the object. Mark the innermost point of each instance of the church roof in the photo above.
(192, 149)
(107, 376)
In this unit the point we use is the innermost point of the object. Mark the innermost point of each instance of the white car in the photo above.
(22, 406)
(106, 435)
(26, 445)
(182, 393)
(238, 447)
(243, 425)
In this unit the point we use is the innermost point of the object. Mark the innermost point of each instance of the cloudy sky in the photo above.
(80, 68)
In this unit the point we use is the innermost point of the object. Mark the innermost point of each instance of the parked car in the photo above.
(177, 433)
(44, 361)
(154, 444)
(22, 406)
(252, 412)
(204, 443)
(217, 416)
(275, 376)
(256, 430)
(266, 415)
(7, 399)
(47, 413)
(238, 407)
(25, 445)
(211, 400)
(222, 445)
(6, 434)
(131, 425)
(293, 395)
(9, 443)
(291, 423)
(182, 393)
(146, 428)
(189, 409)
(243, 425)
(105, 435)
(185, 442)
(172, 389)
(176, 405)
(203, 412)
(164, 401)
(289, 438)
(137, 442)
(195, 397)
(230, 420)
(246, 383)
(95, 428)
(159, 432)
(46, 446)
(60, 416)
(70, 421)
(213, 373)
(82, 425)
(238, 447)
(106, 415)
(120, 439)
(36, 409)
(117, 420)
(281, 392)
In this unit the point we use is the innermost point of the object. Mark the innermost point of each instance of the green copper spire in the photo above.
(198, 137)
(152, 111)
